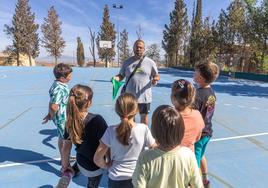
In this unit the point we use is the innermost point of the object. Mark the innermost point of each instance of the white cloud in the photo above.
(74, 7)
(147, 25)
(160, 5)
(94, 5)
(79, 6)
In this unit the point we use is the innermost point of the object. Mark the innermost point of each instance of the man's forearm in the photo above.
(156, 77)
(119, 77)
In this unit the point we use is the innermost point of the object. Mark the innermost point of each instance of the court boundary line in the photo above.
(15, 118)
(238, 137)
(58, 159)
(33, 162)
(19, 115)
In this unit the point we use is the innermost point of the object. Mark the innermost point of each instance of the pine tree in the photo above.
(32, 37)
(236, 20)
(106, 33)
(196, 35)
(23, 32)
(175, 34)
(235, 42)
(52, 40)
(208, 41)
(153, 52)
(220, 34)
(258, 31)
(80, 53)
(168, 46)
(123, 46)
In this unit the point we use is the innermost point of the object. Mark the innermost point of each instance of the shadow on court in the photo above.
(46, 186)
(242, 90)
(107, 81)
(25, 156)
(222, 84)
(51, 133)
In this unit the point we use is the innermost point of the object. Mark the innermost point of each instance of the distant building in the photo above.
(7, 60)
(3, 58)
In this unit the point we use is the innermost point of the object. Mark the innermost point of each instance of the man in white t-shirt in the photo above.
(142, 80)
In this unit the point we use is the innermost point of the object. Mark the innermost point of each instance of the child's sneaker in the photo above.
(65, 179)
(206, 183)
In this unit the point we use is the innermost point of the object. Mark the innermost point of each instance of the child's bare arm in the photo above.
(99, 157)
(53, 108)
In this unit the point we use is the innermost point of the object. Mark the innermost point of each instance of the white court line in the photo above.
(238, 137)
(32, 162)
(57, 159)
(29, 162)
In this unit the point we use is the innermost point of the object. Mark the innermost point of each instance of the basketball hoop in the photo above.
(105, 44)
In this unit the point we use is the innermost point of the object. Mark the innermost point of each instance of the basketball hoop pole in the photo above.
(106, 59)
(115, 6)
(105, 45)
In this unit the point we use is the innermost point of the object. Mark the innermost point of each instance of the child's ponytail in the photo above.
(79, 99)
(123, 132)
(126, 107)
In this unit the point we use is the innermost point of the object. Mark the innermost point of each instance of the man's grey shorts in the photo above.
(144, 108)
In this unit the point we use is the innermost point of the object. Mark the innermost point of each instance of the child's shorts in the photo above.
(60, 131)
(200, 147)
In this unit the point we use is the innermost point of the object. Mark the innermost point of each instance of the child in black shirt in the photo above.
(84, 130)
(205, 101)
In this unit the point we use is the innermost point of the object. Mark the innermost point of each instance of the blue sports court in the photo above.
(237, 155)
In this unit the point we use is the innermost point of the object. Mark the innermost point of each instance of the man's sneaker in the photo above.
(75, 169)
(65, 180)
(206, 183)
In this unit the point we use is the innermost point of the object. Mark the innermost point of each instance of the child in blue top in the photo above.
(205, 101)
(59, 94)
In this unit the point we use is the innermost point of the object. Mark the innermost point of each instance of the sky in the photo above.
(78, 15)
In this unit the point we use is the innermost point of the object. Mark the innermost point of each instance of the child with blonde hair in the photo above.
(169, 164)
(125, 141)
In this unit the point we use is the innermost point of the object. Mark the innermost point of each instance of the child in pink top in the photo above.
(182, 97)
